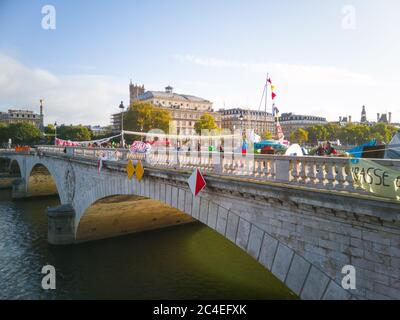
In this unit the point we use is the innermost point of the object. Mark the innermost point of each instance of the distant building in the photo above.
(243, 119)
(19, 116)
(343, 121)
(100, 130)
(363, 115)
(134, 92)
(185, 109)
(384, 117)
(291, 122)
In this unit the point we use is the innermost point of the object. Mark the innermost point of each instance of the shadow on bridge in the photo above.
(41, 182)
(124, 214)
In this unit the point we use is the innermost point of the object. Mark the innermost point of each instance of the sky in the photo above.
(326, 58)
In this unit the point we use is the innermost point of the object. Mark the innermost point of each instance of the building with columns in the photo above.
(185, 109)
(245, 119)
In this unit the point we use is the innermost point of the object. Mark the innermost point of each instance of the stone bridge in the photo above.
(302, 218)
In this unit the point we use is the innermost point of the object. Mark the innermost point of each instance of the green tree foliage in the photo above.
(383, 132)
(317, 133)
(144, 116)
(206, 122)
(299, 136)
(351, 133)
(23, 133)
(74, 133)
(267, 135)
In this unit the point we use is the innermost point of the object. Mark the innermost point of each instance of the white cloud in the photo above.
(78, 99)
(320, 90)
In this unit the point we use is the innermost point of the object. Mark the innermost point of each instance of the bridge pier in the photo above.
(61, 225)
(19, 189)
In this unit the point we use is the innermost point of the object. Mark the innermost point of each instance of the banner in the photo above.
(22, 149)
(139, 146)
(375, 178)
(69, 143)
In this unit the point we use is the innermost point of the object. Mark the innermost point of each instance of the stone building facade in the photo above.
(185, 109)
(19, 116)
(291, 122)
(237, 118)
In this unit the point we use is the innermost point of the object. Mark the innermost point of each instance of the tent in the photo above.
(393, 148)
(358, 151)
(294, 150)
(271, 143)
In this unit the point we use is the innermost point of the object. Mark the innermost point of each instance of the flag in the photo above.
(99, 164)
(269, 80)
(279, 131)
(273, 95)
(272, 88)
(196, 182)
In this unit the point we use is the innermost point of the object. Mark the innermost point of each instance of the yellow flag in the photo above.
(130, 169)
(139, 170)
(272, 88)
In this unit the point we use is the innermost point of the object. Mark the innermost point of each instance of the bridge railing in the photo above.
(311, 171)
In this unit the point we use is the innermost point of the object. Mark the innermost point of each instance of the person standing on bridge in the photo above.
(244, 147)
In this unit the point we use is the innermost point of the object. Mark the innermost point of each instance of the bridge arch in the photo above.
(306, 279)
(15, 168)
(40, 181)
(125, 214)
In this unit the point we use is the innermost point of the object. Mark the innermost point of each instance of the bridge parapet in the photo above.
(325, 173)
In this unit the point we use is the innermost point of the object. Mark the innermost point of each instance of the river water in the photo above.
(185, 262)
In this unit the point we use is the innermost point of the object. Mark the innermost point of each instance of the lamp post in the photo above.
(241, 121)
(121, 106)
(55, 133)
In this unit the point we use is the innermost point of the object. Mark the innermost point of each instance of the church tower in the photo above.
(363, 115)
(134, 92)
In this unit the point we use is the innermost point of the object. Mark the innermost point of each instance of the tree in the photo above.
(74, 133)
(383, 132)
(333, 130)
(206, 122)
(144, 116)
(20, 133)
(300, 136)
(317, 133)
(267, 135)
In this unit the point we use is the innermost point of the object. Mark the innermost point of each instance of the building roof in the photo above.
(171, 95)
(291, 116)
(244, 112)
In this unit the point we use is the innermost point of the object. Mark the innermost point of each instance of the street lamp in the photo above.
(241, 118)
(121, 106)
(55, 133)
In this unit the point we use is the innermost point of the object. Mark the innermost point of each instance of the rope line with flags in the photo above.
(69, 143)
(181, 136)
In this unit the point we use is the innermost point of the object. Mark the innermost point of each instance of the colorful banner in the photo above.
(22, 149)
(140, 147)
(375, 178)
(69, 143)
(66, 143)
(273, 94)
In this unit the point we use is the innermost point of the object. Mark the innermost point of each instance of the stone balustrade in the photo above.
(330, 173)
